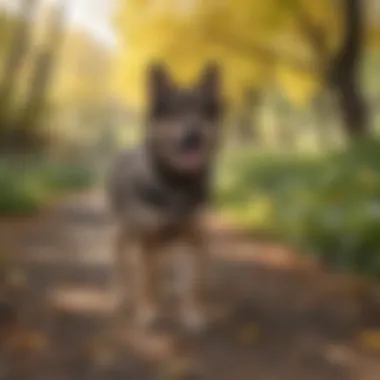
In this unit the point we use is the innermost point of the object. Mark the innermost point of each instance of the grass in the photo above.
(27, 186)
(328, 206)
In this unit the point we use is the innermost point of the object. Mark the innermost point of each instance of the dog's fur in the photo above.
(159, 190)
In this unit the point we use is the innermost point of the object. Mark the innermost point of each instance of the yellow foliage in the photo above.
(370, 339)
(82, 75)
(185, 39)
(298, 87)
(254, 41)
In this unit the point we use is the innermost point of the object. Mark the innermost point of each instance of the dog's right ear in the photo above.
(160, 87)
(209, 88)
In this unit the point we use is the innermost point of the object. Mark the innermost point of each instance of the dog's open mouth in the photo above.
(191, 159)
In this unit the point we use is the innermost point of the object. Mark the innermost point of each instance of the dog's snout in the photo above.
(192, 139)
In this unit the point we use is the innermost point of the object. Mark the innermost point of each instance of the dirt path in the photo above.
(276, 317)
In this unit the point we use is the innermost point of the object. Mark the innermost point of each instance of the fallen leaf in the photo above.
(370, 339)
(28, 341)
(248, 335)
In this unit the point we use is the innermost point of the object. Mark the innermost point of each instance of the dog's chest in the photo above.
(172, 203)
(172, 209)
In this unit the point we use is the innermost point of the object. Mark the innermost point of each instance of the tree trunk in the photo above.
(27, 134)
(344, 73)
(19, 49)
(353, 109)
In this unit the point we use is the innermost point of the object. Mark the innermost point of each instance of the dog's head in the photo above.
(183, 123)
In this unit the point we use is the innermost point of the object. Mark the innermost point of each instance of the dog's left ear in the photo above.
(160, 88)
(210, 90)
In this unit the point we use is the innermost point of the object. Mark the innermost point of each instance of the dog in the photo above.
(158, 192)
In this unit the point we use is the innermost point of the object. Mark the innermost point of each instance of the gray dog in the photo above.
(158, 192)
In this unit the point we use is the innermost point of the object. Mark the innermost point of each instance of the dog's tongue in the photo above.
(191, 161)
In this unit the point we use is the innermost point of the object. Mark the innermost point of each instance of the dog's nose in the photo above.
(192, 140)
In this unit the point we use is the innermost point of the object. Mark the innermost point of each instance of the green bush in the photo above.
(20, 193)
(66, 177)
(327, 206)
(27, 186)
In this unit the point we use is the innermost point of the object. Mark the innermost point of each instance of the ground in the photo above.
(275, 315)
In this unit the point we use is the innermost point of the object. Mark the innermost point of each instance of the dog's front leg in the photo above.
(121, 273)
(135, 278)
(192, 277)
(146, 282)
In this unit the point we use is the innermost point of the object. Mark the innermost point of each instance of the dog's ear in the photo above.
(160, 87)
(209, 88)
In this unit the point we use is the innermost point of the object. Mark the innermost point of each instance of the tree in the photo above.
(337, 56)
(345, 71)
(20, 45)
(26, 134)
